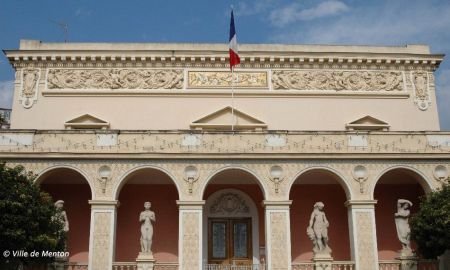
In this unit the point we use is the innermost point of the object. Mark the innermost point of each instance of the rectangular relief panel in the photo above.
(339, 80)
(223, 79)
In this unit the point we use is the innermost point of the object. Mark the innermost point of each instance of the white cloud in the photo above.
(82, 12)
(6, 94)
(395, 22)
(294, 12)
(259, 6)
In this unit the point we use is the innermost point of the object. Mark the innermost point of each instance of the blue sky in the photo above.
(365, 22)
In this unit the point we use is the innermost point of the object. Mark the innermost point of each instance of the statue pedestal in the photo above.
(408, 260)
(145, 261)
(322, 261)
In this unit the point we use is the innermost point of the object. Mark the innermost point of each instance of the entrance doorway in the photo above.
(230, 241)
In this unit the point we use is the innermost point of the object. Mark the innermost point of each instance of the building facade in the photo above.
(232, 181)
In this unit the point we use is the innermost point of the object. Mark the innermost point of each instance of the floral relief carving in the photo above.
(223, 79)
(420, 82)
(338, 80)
(101, 240)
(30, 79)
(190, 241)
(365, 238)
(115, 79)
(279, 237)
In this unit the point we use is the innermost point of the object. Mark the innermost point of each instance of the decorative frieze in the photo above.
(115, 79)
(224, 79)
(389, 81)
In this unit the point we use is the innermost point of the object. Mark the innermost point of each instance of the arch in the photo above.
(122, 180)
(423, 180)
(233, 167)
(253, 214)
(340, 177)
(41, 176)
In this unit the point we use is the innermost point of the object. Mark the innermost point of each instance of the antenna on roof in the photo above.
(64, 26)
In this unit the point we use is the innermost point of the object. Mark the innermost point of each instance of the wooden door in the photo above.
(230, 241)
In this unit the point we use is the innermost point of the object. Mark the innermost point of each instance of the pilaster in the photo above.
(102, 234)
(278, 235)
(190, 234)
(363, 237)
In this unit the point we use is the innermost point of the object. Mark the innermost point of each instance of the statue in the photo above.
(317, 230)
(61, 215)
(401, 222)
(147, 217)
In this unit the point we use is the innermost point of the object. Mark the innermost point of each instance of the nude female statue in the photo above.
(318, 229)
(146, 217)
(401, 222)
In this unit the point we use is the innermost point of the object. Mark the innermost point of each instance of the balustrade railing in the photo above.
(389, 265)
(234, 267)
(133, 266)
(76, 266)
(335, 265)
(303, 266)
(342, 265)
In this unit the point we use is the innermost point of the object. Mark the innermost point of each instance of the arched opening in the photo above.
(397, 183)
(319, 185)
(136, 188)
(233, 219)
(71, 186)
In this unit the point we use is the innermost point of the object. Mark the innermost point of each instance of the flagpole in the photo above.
(232, 99)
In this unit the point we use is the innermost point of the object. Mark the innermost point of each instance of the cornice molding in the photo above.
(97, 59)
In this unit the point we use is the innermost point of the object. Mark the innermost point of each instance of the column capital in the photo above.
(190, 205)
(104, 204)
(276, 205)
(361, 204)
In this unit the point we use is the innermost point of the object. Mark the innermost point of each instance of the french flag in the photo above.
(233, 46)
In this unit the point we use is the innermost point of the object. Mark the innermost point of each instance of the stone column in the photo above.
(278, 235)
(363, 237)
(102, 234)
(190, 235)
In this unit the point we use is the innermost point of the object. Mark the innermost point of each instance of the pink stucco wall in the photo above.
(165, 237)
(303, 199)
(75, 197)
(387, 196)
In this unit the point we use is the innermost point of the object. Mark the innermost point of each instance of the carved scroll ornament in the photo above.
(229, 203)
(115, 79)
(338, 80)
(420, 82)
(30, 79)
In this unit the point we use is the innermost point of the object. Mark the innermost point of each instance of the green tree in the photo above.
(430, 226)
(26, 219)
